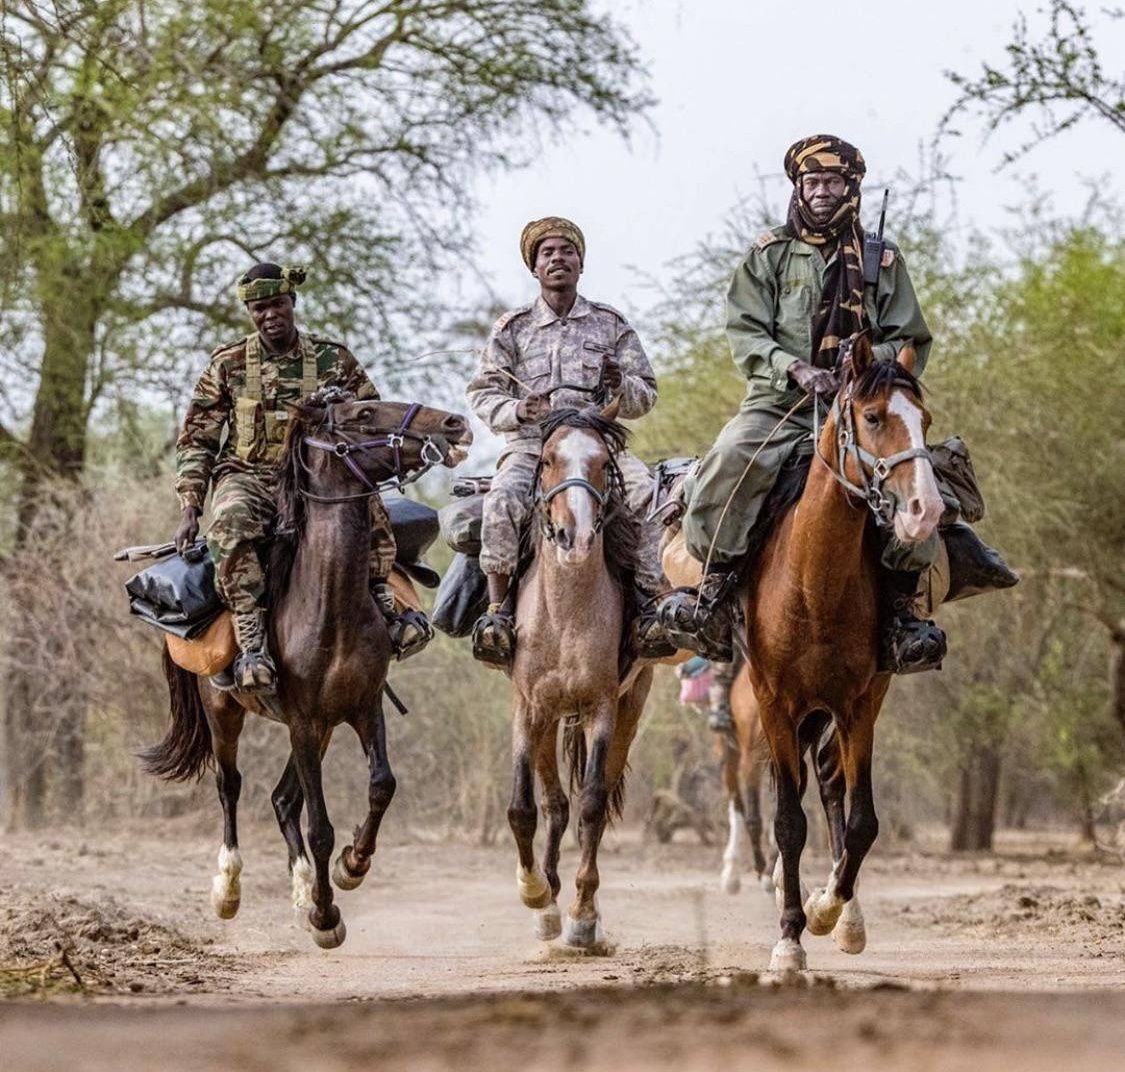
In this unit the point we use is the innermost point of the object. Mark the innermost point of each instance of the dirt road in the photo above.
(680, 989)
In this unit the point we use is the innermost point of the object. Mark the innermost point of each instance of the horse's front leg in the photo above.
(556, 807)
(226, 886)
(354, 861)
(837, 906)
(531, 882)
(325, 924)
(583, 928)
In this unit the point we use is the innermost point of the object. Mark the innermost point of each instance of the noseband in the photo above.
(434, 450)
(602, 498)
(873, 471)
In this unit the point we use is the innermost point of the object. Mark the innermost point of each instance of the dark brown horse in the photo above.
(571, 615)
(812, 611)
(328, 638)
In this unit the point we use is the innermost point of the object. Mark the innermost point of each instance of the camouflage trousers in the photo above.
(727, 481)
(243, 506)
(508, 505)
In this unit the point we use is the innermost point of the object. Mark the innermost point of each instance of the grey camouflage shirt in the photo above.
(544, 351)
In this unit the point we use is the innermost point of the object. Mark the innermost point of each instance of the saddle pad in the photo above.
(208, 653)
(680, 566)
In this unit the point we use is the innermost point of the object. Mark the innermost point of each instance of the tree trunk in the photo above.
(975, 816)
(44, 719)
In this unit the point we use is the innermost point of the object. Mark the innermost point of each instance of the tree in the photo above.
(1059, 79)
(149, 149)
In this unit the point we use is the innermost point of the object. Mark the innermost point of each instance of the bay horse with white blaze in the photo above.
(329, 640)
(572, 613)
(812, 612)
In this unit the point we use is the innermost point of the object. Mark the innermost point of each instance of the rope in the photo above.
(749, 465)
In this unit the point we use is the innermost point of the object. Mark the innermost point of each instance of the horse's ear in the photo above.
(612, 408)
(908, 357)
(861, 354)
(308, 409)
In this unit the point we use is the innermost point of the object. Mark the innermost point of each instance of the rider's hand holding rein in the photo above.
(814, 380)
(533, 408)
(612, 375)
(188, 530)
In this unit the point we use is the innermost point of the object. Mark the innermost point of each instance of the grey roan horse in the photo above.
(328, 638)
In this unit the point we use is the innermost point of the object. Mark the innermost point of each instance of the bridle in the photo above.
(873, 471)
(433, 452)
(602, 498)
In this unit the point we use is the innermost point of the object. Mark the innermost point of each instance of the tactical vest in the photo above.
(261, 431)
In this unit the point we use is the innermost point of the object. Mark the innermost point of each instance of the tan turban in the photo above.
(550, 227)
(292, 276)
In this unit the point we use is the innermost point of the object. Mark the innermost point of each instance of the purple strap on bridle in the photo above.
(344, 451)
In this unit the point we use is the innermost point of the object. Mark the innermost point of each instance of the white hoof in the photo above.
(534, 890)
(583, 933)
(822, 912)
(226, 887)
(766, 882)
(730, 881)
(343, 878)
(788, 956)
(850, 933)
(302, 875)
(548, 922)
(329, 939)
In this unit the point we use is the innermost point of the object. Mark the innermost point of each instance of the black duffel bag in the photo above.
(177, 594)
(462, 597)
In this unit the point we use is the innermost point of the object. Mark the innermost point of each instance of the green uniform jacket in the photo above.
(771, 302)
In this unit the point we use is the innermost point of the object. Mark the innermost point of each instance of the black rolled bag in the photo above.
(177, 594)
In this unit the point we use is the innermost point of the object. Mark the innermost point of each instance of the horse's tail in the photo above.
(185, 751)
(574, 746)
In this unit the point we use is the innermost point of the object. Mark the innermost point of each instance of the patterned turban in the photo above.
(841, 312)
(286, 282)
(548, 227)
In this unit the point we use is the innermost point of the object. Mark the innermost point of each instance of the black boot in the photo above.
(974, 567)
(253, 670)
(649, 639)
(700, 619)
(494, 635)
(409, 630)
(910, 644)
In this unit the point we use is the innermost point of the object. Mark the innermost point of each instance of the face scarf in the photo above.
(840, 314)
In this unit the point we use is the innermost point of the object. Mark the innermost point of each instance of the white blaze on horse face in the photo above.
(920, 509)
(577, 451)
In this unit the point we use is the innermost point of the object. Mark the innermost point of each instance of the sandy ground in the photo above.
(440, 968)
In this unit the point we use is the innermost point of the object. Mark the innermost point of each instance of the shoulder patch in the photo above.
(888, 258)
(325, 341)
(228, 348)
(605, 307)
(767, 238)
(504, 319)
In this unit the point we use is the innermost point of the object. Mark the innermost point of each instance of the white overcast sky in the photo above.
(737, 82)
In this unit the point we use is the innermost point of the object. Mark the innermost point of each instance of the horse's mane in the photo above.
(881, 378)
(622, 530)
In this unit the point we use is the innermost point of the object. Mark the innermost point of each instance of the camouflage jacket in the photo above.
(544, 351)
(774, 295)
(254, 427)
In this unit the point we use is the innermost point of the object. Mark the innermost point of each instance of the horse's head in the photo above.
(880, 449)
(356, 445)
(577, 474)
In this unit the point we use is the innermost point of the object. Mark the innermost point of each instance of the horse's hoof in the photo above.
(330, 938)
(583, 933)
(821, 913)
(850, 933)
(730, 882)
(788, 956)
(301, 917)
(225, 897)
(534, 890)
(345, 878)
(548, 922)
(766, 882)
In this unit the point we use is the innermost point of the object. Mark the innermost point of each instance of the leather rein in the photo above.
(873, 471)
(434, 450)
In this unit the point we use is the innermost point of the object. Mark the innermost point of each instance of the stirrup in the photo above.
(494, 640)
(254, 673)
(912, 645)
(410, 632)
(649, 638)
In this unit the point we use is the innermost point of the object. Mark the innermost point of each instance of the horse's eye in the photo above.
(872, 419)
(366, 413)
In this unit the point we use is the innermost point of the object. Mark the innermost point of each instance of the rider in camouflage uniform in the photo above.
(561, 350)
(242, 393)
(797, 295)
